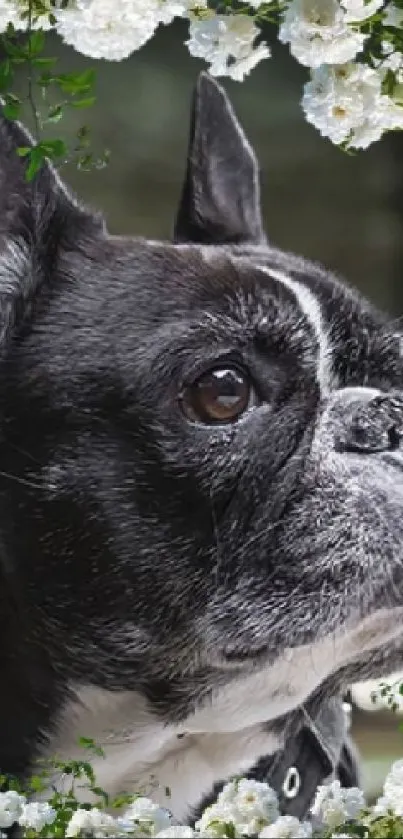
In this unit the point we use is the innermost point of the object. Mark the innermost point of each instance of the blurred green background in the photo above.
(343, 210)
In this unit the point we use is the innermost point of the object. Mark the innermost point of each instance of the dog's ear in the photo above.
(220, 201)
(36, 218)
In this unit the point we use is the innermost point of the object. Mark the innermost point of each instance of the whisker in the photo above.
(22, 451)
(22, 481)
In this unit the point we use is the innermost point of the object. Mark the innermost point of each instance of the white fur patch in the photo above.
(144, 755)
(310, 306)
(14, 258)
(14, 265)
(223, 738)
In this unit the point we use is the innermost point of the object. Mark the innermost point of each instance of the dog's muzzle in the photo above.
(371, 422)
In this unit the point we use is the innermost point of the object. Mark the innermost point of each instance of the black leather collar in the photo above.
(317, 749)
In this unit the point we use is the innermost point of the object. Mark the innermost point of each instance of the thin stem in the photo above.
(31, 97)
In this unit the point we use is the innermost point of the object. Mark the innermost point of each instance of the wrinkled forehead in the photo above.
(276, 301)
(145, 298)
(246, 290)
(300, 305)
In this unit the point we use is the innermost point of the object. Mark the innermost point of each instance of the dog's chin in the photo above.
(289, 678)
(262, 688)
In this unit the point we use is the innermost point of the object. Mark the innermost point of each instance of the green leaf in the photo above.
(83, 103)
(37, 784)
(86, 78)
(12, 106)
(52, 148)
(89, 743)
(83, 135)
(12, 49)
(35, 42)
(101, 793)
(389, 82)
(45, 79)
(42, 61)
(55, 113)
(6, 74)
(76, 83)
(84, 162)
(23, 151)
(122, 800)
(36, 156)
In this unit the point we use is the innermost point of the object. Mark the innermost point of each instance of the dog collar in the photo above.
(315, 753)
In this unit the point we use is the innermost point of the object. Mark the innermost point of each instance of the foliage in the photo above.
(353, 50)
(63, 799)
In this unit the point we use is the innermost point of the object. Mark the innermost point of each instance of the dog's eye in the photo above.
(219, 396)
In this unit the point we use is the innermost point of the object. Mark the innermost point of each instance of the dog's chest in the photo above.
(174, 766)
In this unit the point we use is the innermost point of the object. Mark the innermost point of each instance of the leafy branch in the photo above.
(73, 90)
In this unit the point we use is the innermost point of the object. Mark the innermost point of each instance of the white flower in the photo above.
(334, 805)
(358, 10)
(255, 800)
(177, 831)
(346, 104)
(11, 805)
(393, 16)
(101, 30)
(228, 793)
(36, 815)
(94, 28)
(318, 33)
(243, 66)
(92, 822)
(393, 789)
(227, 43)
(214, 818)
(125, 826)
(144, 812)
(368, 695)
(167, 10)
(381, 807)
(246, 804)
(392, 60)
(341, 102)
(286, 827)
(10, 12)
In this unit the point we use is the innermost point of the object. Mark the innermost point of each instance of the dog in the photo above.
(201, 479)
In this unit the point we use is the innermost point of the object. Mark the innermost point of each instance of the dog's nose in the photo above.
(372, 421)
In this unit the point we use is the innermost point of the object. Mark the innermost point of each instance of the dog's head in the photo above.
(200, 472)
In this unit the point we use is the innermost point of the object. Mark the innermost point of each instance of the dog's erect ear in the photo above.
(221, 195)
(35, 218)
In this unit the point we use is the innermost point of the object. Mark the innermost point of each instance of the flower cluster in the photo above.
(244, 808)
(353, 48)
(372, 695)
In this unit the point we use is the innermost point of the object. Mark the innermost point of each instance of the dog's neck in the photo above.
(174, 766)
(177, 764)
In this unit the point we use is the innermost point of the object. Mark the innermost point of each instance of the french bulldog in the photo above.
(201, 479)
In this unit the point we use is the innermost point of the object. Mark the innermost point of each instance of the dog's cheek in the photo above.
(91, 555)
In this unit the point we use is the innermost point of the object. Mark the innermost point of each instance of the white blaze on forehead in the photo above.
(306, 299)
(310, 306)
